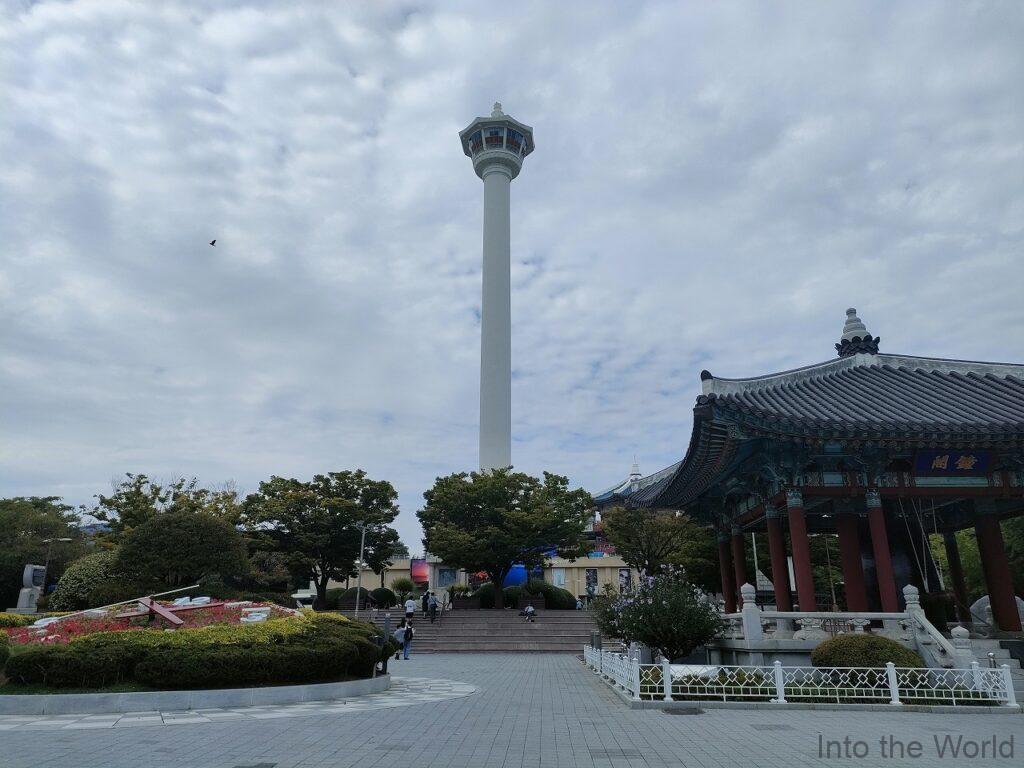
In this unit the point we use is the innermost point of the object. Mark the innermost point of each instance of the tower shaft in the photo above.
(496, 324)
(497, 146)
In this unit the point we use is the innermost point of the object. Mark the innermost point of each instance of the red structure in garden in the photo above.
(883, 450)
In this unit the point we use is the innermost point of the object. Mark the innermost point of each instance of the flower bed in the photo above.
(60, 632)
(213, 651)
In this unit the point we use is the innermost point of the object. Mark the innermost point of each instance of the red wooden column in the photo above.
(777, 550)
(996, 566)
(801, 550)
(847, 522)
(956, 574)
(883, 557)
(725, 566)
(739, 557)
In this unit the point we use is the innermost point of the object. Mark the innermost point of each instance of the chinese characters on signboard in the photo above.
(943, 462)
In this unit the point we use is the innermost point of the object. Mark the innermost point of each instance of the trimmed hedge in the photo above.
(384, 597)
(314, 648)
(857, 649)
(555, 598)
(5, 649)
(81, 578)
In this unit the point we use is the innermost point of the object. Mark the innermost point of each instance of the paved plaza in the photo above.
(486, 711)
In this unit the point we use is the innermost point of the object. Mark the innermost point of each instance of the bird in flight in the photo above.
(214, 242)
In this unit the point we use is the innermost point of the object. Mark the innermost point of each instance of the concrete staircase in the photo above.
(495, 631)
(1000, 655)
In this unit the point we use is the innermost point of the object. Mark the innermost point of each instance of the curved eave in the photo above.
(788, 427)
(711, 451)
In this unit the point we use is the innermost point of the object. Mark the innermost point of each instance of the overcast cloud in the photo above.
(713, 185)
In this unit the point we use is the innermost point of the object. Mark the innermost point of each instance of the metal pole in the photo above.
(359, 573)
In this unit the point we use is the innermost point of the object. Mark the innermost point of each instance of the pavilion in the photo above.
(880, 449)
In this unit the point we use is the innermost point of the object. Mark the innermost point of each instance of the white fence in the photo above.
(777, 684)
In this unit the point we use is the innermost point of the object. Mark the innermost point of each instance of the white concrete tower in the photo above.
(497, 145)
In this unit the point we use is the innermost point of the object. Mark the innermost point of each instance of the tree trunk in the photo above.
(499, 593)
(321, 592)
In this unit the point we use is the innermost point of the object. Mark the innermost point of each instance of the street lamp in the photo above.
(359, 573)
(49, 546)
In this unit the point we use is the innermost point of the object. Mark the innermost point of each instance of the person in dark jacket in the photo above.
(410, 633)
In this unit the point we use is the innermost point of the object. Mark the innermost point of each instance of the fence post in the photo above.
(1011, 695)
(894, 688)
(780, 684)
(635, 674)
(666, 678)
(979, 685)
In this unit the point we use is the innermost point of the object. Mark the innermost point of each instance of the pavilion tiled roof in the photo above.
(879, 393)
(861, 395)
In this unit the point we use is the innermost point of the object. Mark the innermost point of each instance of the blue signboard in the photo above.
(943, 462)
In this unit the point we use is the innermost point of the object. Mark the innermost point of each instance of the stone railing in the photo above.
(910, 627)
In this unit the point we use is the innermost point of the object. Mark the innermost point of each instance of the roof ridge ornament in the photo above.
(855, 338)
(496, 112)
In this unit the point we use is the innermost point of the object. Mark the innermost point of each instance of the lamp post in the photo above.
(49, 546)
(359, 573)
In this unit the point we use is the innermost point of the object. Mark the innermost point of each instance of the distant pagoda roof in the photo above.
(860, 395)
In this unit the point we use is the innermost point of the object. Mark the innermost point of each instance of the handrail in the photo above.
(947, 648)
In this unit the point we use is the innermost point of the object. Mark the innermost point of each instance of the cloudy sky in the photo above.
(713, 185)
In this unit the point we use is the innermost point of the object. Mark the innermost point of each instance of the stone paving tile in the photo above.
(404, 692)
(528, 712)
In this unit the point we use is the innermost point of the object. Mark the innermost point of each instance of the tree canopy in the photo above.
(175, 549)
(486, 521)
(647, 539)
(316, 524)
(25, 524)
(137, 499)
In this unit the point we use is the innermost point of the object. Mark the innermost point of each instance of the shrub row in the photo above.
(346, 598)
(5, 649)
(555, 598)
(292, 650)
(8, 620)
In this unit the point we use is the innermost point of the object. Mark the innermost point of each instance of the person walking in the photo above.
(410, 633)
(410, 608)
(399, 637)
(432, 605)
(425, 600)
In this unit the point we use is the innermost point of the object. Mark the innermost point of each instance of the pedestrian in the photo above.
(432, 604)
(425, 600)
(410, 633)
(399, 636)
(410, 608)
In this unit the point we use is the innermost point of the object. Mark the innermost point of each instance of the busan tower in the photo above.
(497, 146)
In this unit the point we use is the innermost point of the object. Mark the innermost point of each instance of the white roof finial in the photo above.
(853, 326)
(496, 112)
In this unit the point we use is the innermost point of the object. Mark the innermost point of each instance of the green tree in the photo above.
(175, 549)
(403, 587)
(25, 524)
(486, 521)
(647, 539)
(316, 524)
(137, 499)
